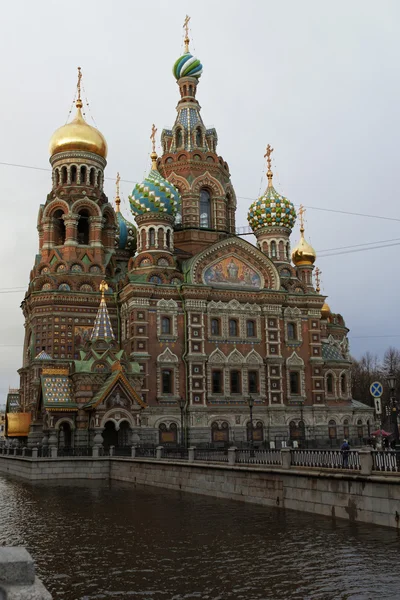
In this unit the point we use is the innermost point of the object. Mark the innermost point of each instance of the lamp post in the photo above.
(251, 404)
(393, 408)
(182, 404)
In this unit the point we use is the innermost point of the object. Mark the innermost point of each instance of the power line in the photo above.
(333, 210)
(358, 245)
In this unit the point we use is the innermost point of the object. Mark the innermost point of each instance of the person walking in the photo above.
(345, 448)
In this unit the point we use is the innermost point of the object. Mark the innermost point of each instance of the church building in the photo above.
(175, 329)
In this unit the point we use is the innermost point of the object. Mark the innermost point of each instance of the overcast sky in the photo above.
(317, 80)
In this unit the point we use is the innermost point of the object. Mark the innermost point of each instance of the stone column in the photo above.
(96, 225)
(53, 443)
(71, 226)
(17, 576)
(286, 456)
(191, 454)
(232, 455)
(366, 462)
(133, 452)
(34, 452)
(159, 450)
(45, 439)
(47, 223)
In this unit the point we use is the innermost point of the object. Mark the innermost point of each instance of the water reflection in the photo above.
(93, 540)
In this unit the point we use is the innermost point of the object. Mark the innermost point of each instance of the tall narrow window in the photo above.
(215, 327)
(294, 382)
(251, 329)
(198, 137)
(332, 430)
(165, 325)
(73, 174)
(360, 429)
(179, 138)
(346, 429)
(58, 228)
(83, 228)
(217, 382)
(233, 328)
(288, 251)
(83, 175)
(91, 177)
(343, 383)
(291, 331)
(205, 209)
(152, 237)
(166, 381)
(236, 386)
(168, 239)
(64, 175)
(273, 249)
(253, 382)
(329, 383)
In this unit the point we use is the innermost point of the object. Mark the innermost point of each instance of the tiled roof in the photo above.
(43, 356)
(57, 391)
(330, 352)
(102, 326)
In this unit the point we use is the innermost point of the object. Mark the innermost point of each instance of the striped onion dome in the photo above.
(187, 65)
(154, 195)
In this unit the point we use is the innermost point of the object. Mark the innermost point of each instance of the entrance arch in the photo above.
(110, 435)
(117, 435)
(65, 436)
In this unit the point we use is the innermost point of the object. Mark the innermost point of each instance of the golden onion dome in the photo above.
(325, 311)
(303, 254)
(78, 135)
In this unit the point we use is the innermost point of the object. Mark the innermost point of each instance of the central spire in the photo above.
(78, 102)
(186, 28)
(153, 154)
(267, 155)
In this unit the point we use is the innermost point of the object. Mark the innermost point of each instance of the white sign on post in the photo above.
(378, 406)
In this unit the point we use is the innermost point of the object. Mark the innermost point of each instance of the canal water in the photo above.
(95, 540)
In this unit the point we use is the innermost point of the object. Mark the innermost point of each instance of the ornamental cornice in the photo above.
(80, 155)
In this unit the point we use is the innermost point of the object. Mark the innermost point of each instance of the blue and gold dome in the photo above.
(187, 65)
(155, 194)
(126, 234)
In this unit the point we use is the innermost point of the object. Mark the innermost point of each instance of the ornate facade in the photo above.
(186, 310)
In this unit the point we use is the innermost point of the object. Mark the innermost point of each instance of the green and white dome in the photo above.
(271, 210)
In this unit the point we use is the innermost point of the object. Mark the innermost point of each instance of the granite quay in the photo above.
(365, 488)
(17, 576)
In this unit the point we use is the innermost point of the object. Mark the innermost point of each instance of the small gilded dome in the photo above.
(325, 311)
(187, 65)
(154, 195)
(303, 254)
(271, 210)
(78, 135)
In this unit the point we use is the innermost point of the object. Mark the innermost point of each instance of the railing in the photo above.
(328, 459)
(384, 461)
(176, 452)
(77, 451)
(210, 455)
(259, 457)
(146, 451)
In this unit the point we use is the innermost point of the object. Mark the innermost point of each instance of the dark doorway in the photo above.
(123, 433)
(65, 436)
(110, 435)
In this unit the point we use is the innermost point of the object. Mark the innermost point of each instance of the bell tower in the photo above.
(191, 163)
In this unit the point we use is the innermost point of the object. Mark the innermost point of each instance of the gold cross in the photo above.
(153, 137)
(103, 288)
(117, 184)
(186, 28)
(79, 84)
(267, 155)
(318, 274)
(301, 212)
(117, 198)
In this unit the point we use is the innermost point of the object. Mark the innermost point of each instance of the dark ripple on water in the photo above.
(93, 541)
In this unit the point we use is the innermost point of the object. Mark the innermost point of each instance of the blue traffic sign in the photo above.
(376, 389)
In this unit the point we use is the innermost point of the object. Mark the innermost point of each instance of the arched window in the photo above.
(165, 325)
(91, 176)
(167, 387)
(73, 174)
(236, 383)
(64, 175)
(205, 209)
(168, 239)
(332, 430)
(360, 429)
(198, 137)
(346, 429)
(253, 382)
(273, 249)
(83, 175)
(233, 328)
(329, 383)
(215, 327)
(57, 177)
(281, 251)
(294, 377)
(168, 435)
(152, 237)
(288, 251)
(99, 179)
(83, 228)
(220, 433)
(343, 382)
(58, 228)
(291, 331)
(258, 432)
(251, 328)
(179, 138)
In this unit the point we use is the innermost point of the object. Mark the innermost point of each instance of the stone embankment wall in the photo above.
(350, 495)
(17, 576)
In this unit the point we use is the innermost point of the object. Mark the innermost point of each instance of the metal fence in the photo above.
(178, 452)
(328, 459)
(76, 451)
(259, 457)
(207, 454)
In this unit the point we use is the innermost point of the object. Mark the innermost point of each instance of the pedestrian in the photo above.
(345, 448)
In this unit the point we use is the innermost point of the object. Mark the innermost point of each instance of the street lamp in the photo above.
(251, 404)
(182, 404)
(393, 407)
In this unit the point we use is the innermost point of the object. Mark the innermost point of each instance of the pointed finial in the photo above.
(78, 88)
(301, 212)
(318, 274)
(153, 155)
(103, 288)
(186, 28)
(267, 155)
(117, 197)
